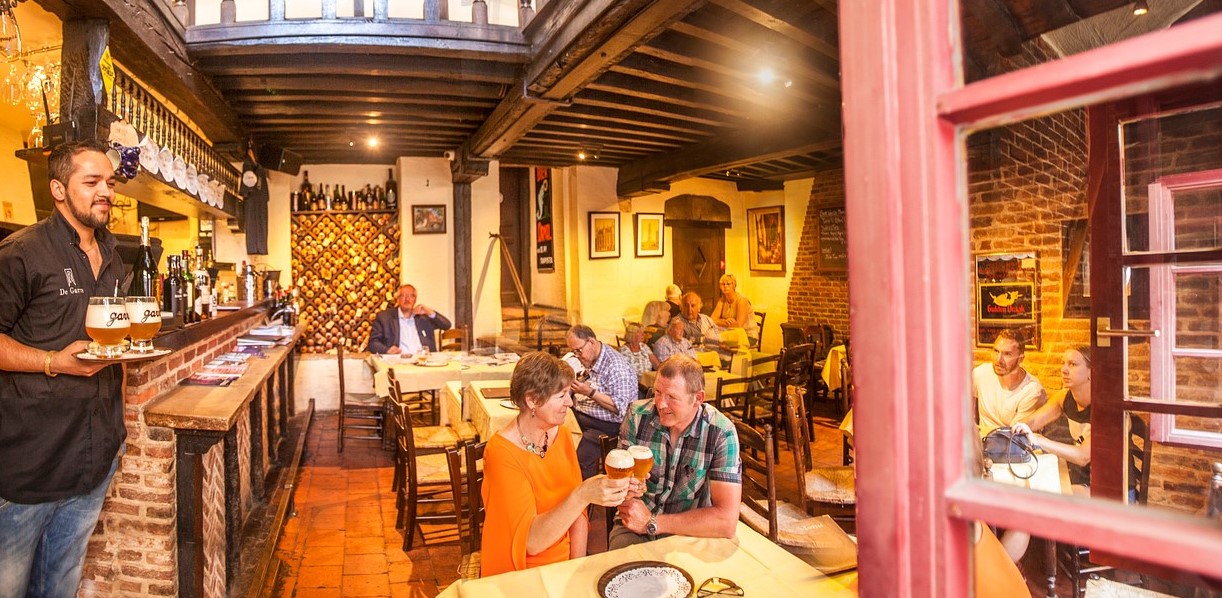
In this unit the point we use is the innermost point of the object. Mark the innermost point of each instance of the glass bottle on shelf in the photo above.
(203, 287)
(171, 293)
(392, 190)
(306, 187)
(144, 271)
(188, 288)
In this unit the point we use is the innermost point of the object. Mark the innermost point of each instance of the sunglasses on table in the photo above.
(719, 586)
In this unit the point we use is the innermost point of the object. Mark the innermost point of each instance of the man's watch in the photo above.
(651, 528)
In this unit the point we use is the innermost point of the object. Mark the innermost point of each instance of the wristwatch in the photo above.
(651, 528)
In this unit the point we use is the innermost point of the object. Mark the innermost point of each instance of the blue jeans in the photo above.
(42, 546)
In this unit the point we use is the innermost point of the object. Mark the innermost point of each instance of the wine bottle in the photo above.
(144, 271)
(188, 288)
(171, 294)
(203, 287)
(306, 187)
(392, 190)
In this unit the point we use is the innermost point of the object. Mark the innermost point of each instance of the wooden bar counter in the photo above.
(195, 465)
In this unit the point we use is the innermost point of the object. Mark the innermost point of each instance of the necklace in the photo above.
(532, 447)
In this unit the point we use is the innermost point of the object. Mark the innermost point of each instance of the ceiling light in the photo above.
(372, 141)
(581, 154)
(1140, 8)
(766, 76)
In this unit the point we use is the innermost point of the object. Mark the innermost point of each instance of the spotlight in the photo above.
(1140, 8)
(581, 155)
(372, 142)
(766, 76)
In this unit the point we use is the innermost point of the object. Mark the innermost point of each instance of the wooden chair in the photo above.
(796, 369)
(817, 540)
(466, 483)
(758, 342)
(1074, 561)
(739, 397)
(425, 475)
(454, 339)
(823, 490)
(361, 413)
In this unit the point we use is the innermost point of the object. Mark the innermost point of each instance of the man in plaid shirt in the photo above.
(601, 394)
(695, 486)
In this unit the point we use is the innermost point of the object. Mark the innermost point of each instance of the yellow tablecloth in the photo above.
(831, 368)
(759, 566)
(487, 415)
(461, 368)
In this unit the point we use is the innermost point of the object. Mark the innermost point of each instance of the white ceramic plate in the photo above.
(180, 172)
(192, 180)
(165, 164)
(148, 155)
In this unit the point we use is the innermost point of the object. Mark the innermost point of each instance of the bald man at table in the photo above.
(407, 328)
(695, 486)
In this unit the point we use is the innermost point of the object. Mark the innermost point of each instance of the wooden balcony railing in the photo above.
(432, 11)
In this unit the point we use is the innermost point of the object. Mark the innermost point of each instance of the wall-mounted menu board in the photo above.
(833, 242)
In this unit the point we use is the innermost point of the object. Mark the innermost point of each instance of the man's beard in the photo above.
(87, 217)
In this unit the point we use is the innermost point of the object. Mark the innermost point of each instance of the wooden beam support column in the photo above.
(463, 311)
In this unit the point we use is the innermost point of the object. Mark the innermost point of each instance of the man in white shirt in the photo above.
(1005, 393)
(407, 328)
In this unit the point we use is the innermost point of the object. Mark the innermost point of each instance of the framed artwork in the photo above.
(766, 239)
(604, 235)
(428, 219)
(1007, 297)
(650, 234)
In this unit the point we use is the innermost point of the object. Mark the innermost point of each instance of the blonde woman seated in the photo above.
(638, 354)
(654, 318)
(536, 500)
(733, 310)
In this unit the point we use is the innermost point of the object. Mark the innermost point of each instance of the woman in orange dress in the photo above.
(533, 494)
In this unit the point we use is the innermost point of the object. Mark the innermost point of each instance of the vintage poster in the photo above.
(545, 250)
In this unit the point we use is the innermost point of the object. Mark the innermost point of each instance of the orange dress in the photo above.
(996, 575)
(518, 486)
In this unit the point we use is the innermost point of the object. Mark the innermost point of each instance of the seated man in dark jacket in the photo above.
(407, 328)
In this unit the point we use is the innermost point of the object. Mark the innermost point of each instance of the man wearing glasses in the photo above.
(695, 486)
(601, 393)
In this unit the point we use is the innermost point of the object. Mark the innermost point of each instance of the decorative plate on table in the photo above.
(429, 363)
(128, 356)
(506, 403)
(645, 579)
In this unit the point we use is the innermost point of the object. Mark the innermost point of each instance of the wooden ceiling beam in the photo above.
(731, 151)
(634, 105)
(1002, 29)
(148, 42)
(575, 42)
(780, 24)
(669, 94)
(361, 84)
(559, 120)
(343, 109)
(745, 65)
(369, 101)
(331, 65)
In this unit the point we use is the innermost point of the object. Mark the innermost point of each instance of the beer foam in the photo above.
(100, 317)
(620, 459)
(640, 452)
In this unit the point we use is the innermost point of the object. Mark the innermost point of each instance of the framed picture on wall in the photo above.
(650, 234)
(428, 220)
(1007, 297)
(766, 239)
(604, 235)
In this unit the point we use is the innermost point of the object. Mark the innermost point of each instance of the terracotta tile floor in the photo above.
(343, 541)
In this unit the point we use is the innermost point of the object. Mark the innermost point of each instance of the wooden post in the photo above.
(525, 13)
(275, 10)
(358, 8)
(229, 12)
(433, 10)
(379, 10)
(479, 12)
(462, 255)
(328, 9)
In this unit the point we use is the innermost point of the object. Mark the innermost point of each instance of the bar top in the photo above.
(211, 408)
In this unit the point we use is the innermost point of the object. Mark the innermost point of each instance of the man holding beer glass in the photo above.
(62, 416)
(700, 495)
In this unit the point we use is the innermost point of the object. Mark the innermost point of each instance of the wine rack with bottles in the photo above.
(346, 265)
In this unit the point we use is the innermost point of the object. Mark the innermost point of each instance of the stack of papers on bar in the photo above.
(252, 340)
(221, 371)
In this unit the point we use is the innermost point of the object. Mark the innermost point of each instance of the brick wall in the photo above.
(133, 550)
(816, 295)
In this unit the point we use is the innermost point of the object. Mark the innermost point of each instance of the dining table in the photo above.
(831, 367)
(750, 560)
(487, 406)
(434, 371)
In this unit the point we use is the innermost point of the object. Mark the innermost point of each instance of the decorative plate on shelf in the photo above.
(128, 356)
(645, 579)
(192, 180)
(180, 173)
(165, 164)
(148, 155)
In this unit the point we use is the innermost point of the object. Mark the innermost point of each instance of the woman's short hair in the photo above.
(728, 277)
(682, 366)
(655, 313)
(539, 374)
(631, 329)
(673, 292)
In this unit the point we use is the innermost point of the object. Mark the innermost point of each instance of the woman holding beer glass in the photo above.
(534, 496)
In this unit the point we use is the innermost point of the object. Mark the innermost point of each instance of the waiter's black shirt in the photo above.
(58, 436)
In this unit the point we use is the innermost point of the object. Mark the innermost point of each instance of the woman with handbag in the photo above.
(1074, 404)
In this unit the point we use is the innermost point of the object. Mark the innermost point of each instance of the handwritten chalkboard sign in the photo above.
(833, 241)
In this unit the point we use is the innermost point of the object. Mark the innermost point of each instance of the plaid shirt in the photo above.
(638, 360)
(666, 346)
(612, 376)
(708, 451)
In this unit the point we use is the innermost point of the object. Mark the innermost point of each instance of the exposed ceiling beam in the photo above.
(781, 25)
(1003, 30)
(361, 84)
(732, 151)
(148, 41)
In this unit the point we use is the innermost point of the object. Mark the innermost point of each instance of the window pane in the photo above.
(1198, 317)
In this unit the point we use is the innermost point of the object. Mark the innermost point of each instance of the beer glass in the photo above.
(106, 322)
(145, 316)
(619, 464)
(642, 461)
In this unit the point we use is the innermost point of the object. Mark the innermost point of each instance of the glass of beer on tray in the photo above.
(107, 323)
(145, 316)
(642, 461)
(619, 464)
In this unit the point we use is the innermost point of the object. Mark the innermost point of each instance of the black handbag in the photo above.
(1004, 446)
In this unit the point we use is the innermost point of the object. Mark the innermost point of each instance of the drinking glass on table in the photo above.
(145, 316)
(619, 464)
(106, 322)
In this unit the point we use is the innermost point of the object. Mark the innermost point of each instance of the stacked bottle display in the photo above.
(186, 291)
(322, 198)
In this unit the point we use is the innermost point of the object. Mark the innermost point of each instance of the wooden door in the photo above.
(699, 260)
(515, 231)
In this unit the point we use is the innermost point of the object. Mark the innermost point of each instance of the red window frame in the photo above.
(906, 114)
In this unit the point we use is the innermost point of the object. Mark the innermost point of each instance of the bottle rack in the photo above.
(346, 262)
